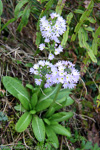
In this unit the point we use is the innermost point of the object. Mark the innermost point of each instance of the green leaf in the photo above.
(89, 29)
(50, 112)
(60, 6)
(34, 100)
(26, 14)
(19, 62)
(38, 38)
(46, 121)
(23, 101)
(61, 116)
(88, 145)
(83, 18)
(24, 20)
(69, 101)
(19, 6)
(62, 95)
(7, 23)
(82, 36)
(43, 104)
(14, 87)
(49, 94)
(47, 7)
(61, 102)
(29, 65)
(38, 128)
(23, 122)
(92, 56)
(87, 12)
(91, 20)
(52, 137)
(65, 37)
(69, 18)
(59, 129)
(73, 37)
(32, 112)
(1, 7)
(78, 11)
(19, 108)
(43, 1)
(47, 90)
(29, 86)
(94, 43)
(90, 52)
(96, 147)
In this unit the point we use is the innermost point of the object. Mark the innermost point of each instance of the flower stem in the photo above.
(40, 87)
(49, 110)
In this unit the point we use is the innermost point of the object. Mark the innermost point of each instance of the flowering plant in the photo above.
(51, 31)
(40, 107)
(54, 82)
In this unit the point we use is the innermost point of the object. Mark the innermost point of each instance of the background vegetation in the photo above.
(19, 41)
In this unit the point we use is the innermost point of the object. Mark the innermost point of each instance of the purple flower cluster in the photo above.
(51, 31)
(62, 72)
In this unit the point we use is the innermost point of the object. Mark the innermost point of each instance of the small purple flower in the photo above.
(66, 85)
(51, 56)
(47, 85)
(56, 79)
(31, 70)
(71, 85)
(38, 81)
(36, 66)
(47, 40)
(41, 62)
(53, 15)
(42, 46)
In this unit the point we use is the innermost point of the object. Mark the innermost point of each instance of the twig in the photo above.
(84, 86)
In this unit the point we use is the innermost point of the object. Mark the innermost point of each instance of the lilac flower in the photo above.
(31, 70)
(66, 85)
(47, 84)
(58, 50)
(51, 56)
(61, 79)
(47, 40)
(56, 79)
(53, 15)
(36, 66)
(68, 77)
(41, 62)
(56, 44)
(42, 46)
(58, 64)
(61, 68)
(36, 72)
(62, 72)
(50, 30)
(38, 81)
(71, 85)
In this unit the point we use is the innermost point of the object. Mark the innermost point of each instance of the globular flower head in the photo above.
(57, 73)
(52, 29)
